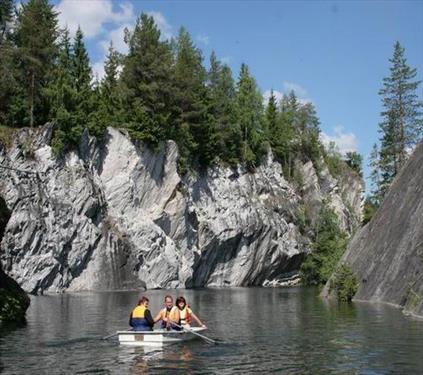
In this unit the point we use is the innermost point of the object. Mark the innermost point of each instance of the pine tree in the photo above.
(63, 97)
(271, 113)
(191, 99)
(281, 136)
(36, 34)
(402, 125)
(224, 132)
(354, 160)
(249, 115)
(147, 84)
(109, 108)
(11, 92)
(6, 16)
(82, 75)
(307, 125)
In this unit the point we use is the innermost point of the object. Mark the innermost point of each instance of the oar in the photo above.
(110, 336)
(208, 339)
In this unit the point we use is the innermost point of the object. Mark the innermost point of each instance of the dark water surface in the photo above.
(287, 331)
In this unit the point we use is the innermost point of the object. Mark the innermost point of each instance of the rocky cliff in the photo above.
(387, 254)
(116, 215)
(13, 300)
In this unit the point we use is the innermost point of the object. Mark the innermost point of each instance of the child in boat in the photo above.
(169, 315)
(140, 318)
(186, 314)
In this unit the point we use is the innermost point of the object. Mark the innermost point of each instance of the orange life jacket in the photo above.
(185, 315)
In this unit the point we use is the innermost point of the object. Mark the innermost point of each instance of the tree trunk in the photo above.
(31, 101)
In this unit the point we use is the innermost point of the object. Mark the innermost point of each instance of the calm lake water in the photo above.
(287, 331)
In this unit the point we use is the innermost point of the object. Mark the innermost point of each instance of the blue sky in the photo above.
(333, 53)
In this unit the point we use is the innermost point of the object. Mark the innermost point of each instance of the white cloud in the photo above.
(277, 94)
(226, 59)
(300, 92)
(92, 15)
(346, 142)
(116, 36)
(298, 89)
(162, 24)
(203, 39)
(98, 70)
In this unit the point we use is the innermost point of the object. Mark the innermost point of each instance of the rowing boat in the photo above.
(158, 337)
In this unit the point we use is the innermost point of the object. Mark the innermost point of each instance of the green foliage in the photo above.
(249, 117)
(35, 35)
(109, 108)
(344, 283)
(402, 122)
(354, 160)
(370, 208)
(6, 135)
(146, 83)
(328, 247)
(225, 134)
(333, 160)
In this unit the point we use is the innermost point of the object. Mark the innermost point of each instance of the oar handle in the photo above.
(208, 339)
(108, 337)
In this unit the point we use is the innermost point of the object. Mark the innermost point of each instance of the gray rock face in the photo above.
(116, 215)
(387, 254)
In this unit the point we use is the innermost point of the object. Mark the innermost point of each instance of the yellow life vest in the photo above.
(170, 314)
(139, 312)
(185, 315)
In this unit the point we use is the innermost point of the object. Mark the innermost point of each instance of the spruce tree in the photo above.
(147, 84)
(12, 96)
(225, 135)
(374, 160)
(271, 113)
(191, 99)
(109, 109)
(36, 34)
(249, 115)
(82, 76)
(63, 97)
(402, 124)
(6, 16)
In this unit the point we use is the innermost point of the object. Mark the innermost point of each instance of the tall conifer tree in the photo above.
(36, 34)
(402, 125)
(147, 83)
(249, 112)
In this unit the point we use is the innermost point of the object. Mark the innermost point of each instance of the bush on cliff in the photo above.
(328, 247)
(344, 283)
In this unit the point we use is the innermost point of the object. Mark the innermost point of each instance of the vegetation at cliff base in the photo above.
(329, 244)
(343, 283)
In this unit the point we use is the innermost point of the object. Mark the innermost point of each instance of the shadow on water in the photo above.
(282, 330)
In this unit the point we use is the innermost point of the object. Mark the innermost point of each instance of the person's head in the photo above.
(168, 301)
(143, 301)
(181, 303)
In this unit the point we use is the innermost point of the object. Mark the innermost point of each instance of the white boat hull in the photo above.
(156, 338)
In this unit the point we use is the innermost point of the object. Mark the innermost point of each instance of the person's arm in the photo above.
(197, 319)
(158, 317)
(176, 317)
(149, 318)
(130, 319)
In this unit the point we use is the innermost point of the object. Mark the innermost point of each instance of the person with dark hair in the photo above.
(140, 318)
(186, 314)
(169, 315)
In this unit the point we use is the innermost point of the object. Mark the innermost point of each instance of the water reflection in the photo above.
(291, 331)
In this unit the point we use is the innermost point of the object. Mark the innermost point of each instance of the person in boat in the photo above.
(186, 315)
(169, 315)
(140, 318)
